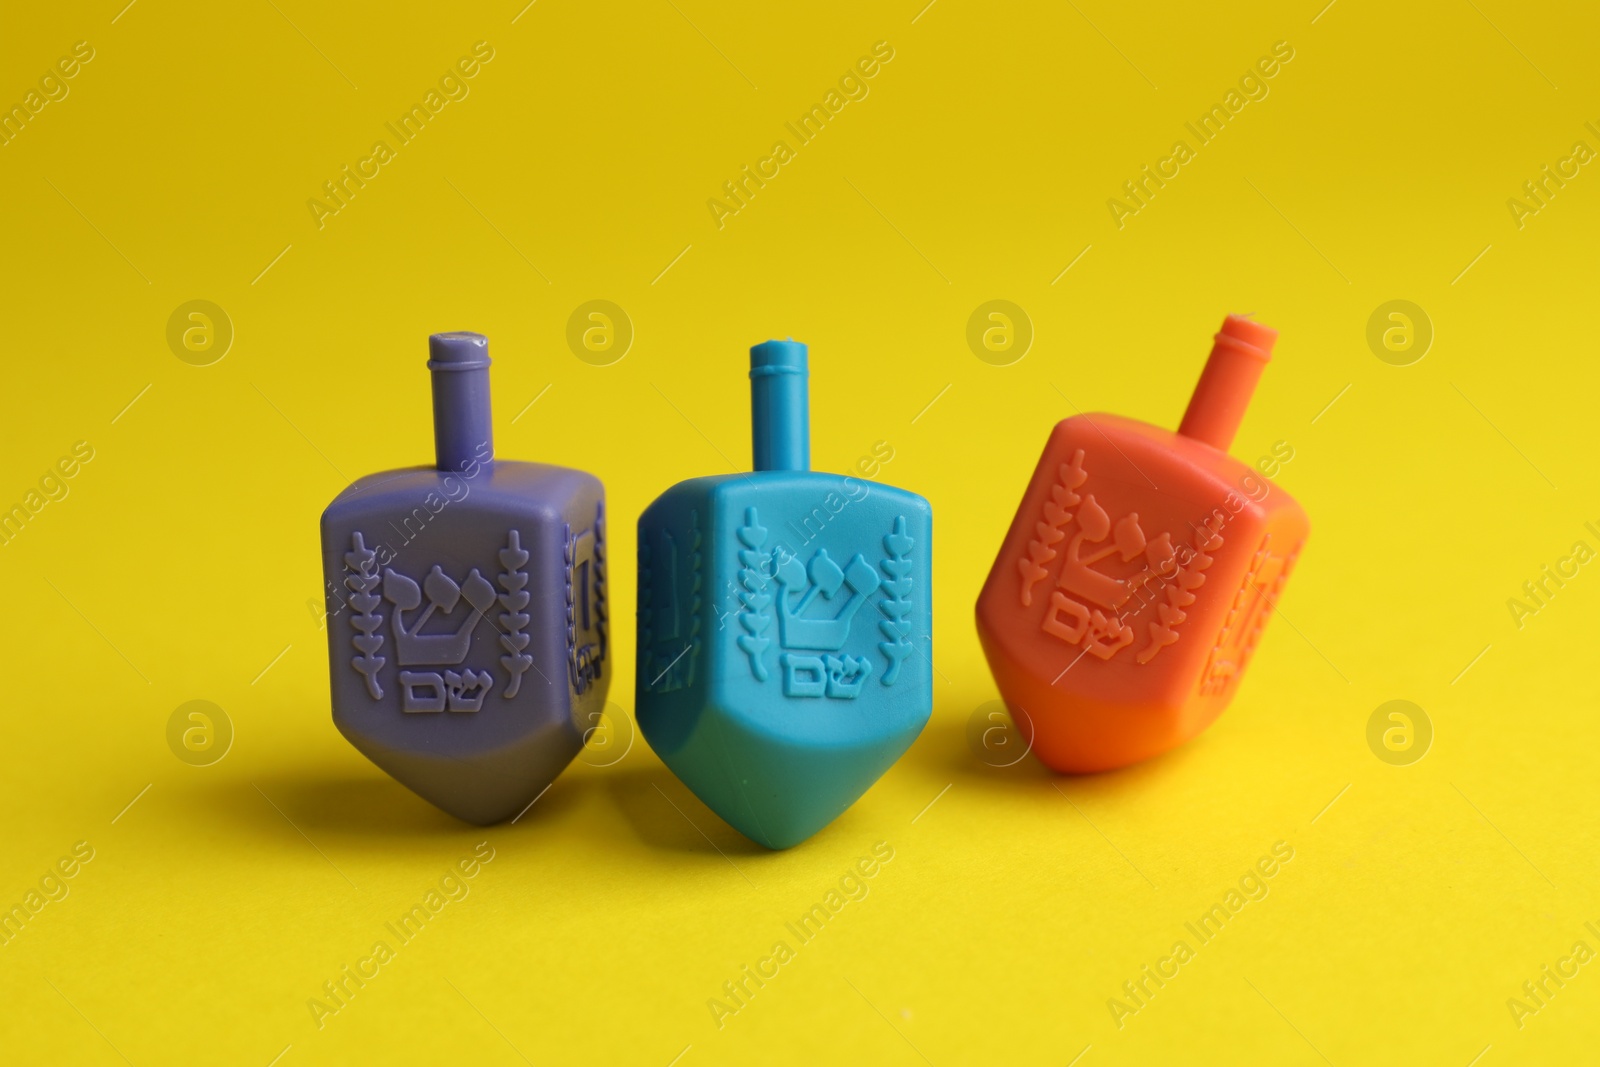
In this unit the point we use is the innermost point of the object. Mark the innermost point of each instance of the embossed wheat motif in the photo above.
(362, 581)
(1179, 592)
(896, 605)
(1048, 533)
(753, 593)
(514, 580)
(600, 581)
(568, 555)
(1211, 683)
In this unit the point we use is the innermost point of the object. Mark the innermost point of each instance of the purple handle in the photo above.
(463, 428)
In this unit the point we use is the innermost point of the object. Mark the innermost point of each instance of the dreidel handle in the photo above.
(1240, 351)
(780, 417)
(463, 428)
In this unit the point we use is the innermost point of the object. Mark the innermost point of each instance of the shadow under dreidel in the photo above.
(361, 805)
(990, 747)
(665, 815)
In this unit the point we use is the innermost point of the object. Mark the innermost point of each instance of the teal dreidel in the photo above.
(785, 648)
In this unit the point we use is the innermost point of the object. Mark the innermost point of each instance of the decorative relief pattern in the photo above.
(433, 622)
(430, 690)
(816, 604)
(362, 563)
(513, 616)
(586, 609)
(1108, 572)
(669, 621)
(753, 594)
(1049, 531)
(1252, 605)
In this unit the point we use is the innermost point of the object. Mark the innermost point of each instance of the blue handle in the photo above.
(463, 428)
(780, 419)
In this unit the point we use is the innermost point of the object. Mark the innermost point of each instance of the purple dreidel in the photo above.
(467, 634)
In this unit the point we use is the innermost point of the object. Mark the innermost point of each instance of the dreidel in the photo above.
(785, 627)
(467, 632)
(1141, 567)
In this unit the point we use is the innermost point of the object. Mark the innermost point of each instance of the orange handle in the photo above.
(1221, 396)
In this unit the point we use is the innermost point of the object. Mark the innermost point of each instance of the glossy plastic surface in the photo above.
(1137, 576)
(467, 609)
(785, 650)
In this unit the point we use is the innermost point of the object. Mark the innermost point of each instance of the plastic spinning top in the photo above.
(784, 625)
(467, 637)
(1138, 574)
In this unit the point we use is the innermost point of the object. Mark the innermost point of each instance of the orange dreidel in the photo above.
(1138, 573)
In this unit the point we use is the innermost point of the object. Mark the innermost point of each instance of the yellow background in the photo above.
(183, 561)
